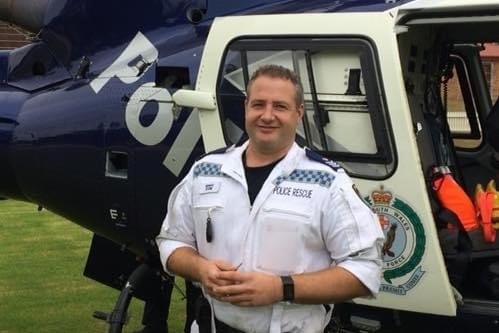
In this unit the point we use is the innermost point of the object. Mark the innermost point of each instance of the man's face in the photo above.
(272, 114)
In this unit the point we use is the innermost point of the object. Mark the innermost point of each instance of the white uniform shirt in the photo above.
(305, 218)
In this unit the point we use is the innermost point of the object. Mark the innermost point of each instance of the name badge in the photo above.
(210, 188)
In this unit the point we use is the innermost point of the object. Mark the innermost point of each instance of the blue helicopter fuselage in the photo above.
(71, 98)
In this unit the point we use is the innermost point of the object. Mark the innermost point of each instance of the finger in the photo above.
(213, 291)
(234, 276)
(229, 290)
(230, 298)
(223, 266)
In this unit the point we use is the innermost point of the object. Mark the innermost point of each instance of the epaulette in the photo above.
(315, 156)
(222, 150)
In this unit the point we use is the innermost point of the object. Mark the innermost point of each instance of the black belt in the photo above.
(224, 328)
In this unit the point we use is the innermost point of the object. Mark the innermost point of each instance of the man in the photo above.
(270, 231)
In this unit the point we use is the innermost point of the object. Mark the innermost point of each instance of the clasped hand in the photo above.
(226, 283)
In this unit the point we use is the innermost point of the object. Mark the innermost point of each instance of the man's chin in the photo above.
(265, 142)
(268, 146)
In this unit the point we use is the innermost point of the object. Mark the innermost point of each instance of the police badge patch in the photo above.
(405, 242)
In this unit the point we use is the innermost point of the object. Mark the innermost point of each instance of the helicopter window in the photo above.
(344, 119)
(172, 77)
(460, 104)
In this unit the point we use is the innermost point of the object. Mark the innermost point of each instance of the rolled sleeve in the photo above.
(177, 228)
(368, 272)
(166, 248)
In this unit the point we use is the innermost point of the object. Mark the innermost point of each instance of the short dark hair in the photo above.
(281, 72)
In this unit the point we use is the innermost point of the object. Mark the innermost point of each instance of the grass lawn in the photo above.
(42, 287)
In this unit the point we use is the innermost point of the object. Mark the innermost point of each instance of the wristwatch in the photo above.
(288, 288)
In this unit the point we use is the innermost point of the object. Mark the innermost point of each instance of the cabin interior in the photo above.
(450, 70)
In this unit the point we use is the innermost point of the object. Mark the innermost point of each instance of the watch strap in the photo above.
(288, 288)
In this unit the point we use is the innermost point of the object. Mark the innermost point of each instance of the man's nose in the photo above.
(268, 112)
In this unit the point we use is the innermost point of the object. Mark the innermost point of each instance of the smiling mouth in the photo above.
(267, 127)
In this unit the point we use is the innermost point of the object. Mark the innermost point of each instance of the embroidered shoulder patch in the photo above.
(314, 156)
(208, 169)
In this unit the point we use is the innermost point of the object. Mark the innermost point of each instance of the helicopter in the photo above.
(108, 107)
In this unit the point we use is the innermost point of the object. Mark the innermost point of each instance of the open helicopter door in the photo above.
(357, 114)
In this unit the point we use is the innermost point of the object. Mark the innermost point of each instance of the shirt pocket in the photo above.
(209, 226)
(280, 247)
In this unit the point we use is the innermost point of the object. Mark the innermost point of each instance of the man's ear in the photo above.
(301, 110)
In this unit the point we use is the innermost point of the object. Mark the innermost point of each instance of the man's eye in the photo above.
(280, 107)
